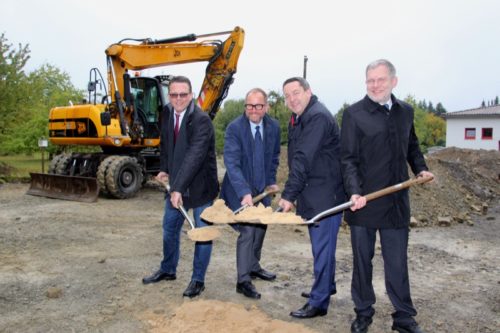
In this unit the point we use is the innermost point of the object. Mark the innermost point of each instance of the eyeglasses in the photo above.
(254, 106)
(181, 95)
(379, 81)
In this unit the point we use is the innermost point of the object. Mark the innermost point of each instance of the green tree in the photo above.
(340, 113)
(232, 109)
(25, 99)
(440, 110)
(430, 129)
(12, 82)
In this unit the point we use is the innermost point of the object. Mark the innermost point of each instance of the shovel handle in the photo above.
(181, 207)
(371, 196)
(267, 191)
(397, 187)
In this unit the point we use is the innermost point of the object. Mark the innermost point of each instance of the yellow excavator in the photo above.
(124, 121)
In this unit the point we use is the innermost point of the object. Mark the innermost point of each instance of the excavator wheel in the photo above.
(53, 164)
(62, 164)
(123, 177)
(101, 173)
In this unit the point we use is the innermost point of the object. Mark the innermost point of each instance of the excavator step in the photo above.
(63, 187)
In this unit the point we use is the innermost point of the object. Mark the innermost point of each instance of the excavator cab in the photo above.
(148, 100)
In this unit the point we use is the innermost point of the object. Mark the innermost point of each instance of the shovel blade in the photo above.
(63, 187)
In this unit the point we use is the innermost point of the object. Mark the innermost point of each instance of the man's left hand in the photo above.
(426, 174)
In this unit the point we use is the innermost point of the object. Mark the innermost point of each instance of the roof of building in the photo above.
(489, 111)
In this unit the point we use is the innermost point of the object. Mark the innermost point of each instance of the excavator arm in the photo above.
(222, 60)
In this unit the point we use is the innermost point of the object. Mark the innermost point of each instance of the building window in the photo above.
(487, 133)
(470, 134)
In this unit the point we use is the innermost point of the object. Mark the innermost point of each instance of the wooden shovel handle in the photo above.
(397, 187)
(267, 191)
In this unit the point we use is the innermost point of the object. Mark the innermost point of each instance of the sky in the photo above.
(444, 51)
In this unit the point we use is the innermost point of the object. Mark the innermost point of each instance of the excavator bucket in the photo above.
(64, 187)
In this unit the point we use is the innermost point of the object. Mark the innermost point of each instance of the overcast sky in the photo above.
(444, 51)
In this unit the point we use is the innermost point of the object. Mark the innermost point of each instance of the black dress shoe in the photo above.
(194, 289)
(410, 328)
(248, 289)
(263, 274)
(360, 325)
(308, 311)
(157, 277)
(308, 295)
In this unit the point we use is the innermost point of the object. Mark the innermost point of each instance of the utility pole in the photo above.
(305, 66)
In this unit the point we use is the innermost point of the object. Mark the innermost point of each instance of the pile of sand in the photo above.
(207, 316)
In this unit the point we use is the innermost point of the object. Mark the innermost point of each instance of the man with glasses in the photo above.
(251, 157)
(315, 184)
(378, 142)
(187, 162)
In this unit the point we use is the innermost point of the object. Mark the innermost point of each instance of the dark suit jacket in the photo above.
(314, 178)
(190, 163)
(376, 146)
(238, 156)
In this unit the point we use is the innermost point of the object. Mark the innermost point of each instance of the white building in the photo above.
(474, 128)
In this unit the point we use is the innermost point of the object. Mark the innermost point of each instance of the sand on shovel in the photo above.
(281, 218)
(253, 214)
(203, 234)
(218, 213)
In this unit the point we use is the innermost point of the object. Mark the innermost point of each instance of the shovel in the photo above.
(203, 234)
(267, 191)
(370, 196)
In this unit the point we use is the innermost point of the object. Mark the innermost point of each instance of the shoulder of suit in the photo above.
(405, 105)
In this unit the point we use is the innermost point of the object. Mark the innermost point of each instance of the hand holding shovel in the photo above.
(203, 234)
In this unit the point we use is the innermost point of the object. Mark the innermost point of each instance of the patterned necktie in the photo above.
(176, 128)
(258, 162)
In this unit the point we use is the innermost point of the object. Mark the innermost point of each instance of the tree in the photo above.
(440, 110)
(496, 100)
(12, 80)
(430, 129)
(483, 104)
(340, 113)
(231, 110)
(25, 99)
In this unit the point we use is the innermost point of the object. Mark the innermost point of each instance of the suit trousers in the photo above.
(172, 227)
(324, 244)
(248, 249)
(394, 243)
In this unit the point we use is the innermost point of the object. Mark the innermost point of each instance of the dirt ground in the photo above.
(77, 267)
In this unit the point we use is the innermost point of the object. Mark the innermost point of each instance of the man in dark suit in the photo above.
(251, 157)
(315, 184)
(378, 143)
(188, 163)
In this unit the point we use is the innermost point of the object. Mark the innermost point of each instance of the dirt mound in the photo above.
(467, 182)
(216, 316)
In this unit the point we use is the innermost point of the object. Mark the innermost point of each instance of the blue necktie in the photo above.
(258, 162)
(387, 106)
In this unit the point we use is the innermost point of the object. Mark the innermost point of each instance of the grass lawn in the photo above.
(19, 166)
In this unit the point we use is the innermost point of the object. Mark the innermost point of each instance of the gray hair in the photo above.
(382, 62)
(257, 91)
(303, 82)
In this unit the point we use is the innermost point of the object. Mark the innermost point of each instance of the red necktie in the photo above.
(176, 128)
